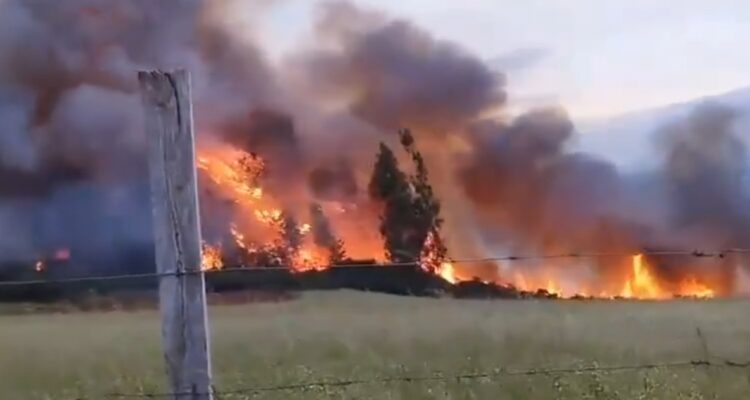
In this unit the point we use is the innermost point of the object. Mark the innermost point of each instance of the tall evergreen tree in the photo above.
(411, 211)
(390, 186)
(425, 203)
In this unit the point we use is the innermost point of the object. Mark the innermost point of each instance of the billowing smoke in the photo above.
(533, 193)
(73, 173)
(705, 168)
(70, 122)
(334, 180)
(393, 74)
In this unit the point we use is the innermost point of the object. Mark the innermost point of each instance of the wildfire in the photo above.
(304, 228)
(552, 288)
(267, 235)
(447, 272)
(307, 260)
(269, 217)
(240, 175)
(639, 280)
(692, 288)
(237, 176)
(211, 257)
(239, 238)
(59, 255)
(641, 283)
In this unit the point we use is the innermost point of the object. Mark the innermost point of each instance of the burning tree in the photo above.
(426, 207)
(411, 211)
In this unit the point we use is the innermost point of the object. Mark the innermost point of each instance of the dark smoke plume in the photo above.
(529, 189)
(705, 167)
(334, 181)
(394, 74)
(70, 121)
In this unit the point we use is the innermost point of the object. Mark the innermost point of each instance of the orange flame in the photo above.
(690, 287)
(552, 288)
(211, 257)
(308, 260)
(447, 272)
(641, 283)
(237, 175)
(240, 174)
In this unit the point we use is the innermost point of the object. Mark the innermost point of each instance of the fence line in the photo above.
(471, 261)
(438, 377)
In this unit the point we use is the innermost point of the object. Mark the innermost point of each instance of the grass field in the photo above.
(346, 335)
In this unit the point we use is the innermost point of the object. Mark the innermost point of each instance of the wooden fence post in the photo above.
(182, 295)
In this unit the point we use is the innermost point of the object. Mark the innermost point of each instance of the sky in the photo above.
(599, 58)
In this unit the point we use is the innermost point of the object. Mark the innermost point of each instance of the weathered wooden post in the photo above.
(182, 296)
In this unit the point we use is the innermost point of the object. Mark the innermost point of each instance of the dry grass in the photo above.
(352, 335)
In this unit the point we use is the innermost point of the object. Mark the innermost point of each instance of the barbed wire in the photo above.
(496, 373)
(466, 261)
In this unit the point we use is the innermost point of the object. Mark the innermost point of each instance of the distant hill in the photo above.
(627, 140)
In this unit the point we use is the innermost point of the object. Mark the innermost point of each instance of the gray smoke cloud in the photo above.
(532, 192)
(70, 123)
(705, 168)
(71, 133)
(334, 181)
(394, 74)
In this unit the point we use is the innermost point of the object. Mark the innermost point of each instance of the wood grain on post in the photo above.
(182, 295)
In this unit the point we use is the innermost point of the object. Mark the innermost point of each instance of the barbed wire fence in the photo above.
(707, 361)
(721, 254)
(441, 377)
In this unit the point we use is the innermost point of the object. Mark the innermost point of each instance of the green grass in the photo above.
(352, 335)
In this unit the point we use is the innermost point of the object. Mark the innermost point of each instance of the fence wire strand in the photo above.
(466, 261)
(497, 373)
(439, 377)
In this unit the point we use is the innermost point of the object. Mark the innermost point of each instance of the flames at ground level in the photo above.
(261, 234)
(636, 278)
